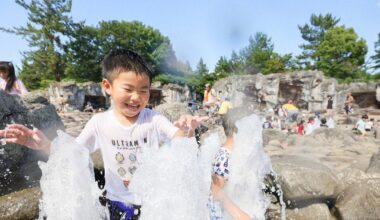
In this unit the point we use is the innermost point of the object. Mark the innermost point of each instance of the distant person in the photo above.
(310, 126)
(89, 108)
(267, 123)
(329, 107)
(369, 125)
(300, 128)
(324, 123)
(9, 81)
(348, 103)
(225, 106)
(361, 125)
(209, 99)
(291, 111)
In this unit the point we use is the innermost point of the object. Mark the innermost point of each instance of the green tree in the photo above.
(84, 55)
(341, 54)
(257, 53)
(48, 26)
(376, 57)
(314, 34)
(201, 69)
(91, 44)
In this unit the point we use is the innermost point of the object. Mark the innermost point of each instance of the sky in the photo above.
(208, 29)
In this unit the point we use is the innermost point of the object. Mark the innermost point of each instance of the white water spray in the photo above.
(174, 181)
(249, 165)
(69, 190)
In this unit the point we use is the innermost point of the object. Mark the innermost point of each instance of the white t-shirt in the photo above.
(122, 147)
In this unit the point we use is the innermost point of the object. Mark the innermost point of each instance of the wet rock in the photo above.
(20, 205)
(32, 109)
(303, 180)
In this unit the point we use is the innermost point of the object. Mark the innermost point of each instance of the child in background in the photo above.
(300, 129)
(219, 202)
(121, 133)
(9, 81)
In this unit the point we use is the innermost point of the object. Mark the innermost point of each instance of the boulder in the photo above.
(23, 204)
(359, 201)
(304, 181)
(173, 111)
(374, 164)
(18, 165)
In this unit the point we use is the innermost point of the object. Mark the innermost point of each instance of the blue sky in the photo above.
(209, 28)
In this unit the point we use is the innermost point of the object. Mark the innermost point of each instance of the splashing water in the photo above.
(174, 181)
(249, 166)
(69, 190)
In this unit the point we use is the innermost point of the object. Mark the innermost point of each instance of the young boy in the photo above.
(219, 202)
(121, 133)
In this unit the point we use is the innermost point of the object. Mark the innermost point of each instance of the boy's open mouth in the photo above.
(132, 107)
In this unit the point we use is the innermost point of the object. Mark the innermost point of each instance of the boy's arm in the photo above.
(31, 138)
(187, 125)
(217, 186)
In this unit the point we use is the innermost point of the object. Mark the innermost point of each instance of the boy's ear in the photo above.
(107, 86)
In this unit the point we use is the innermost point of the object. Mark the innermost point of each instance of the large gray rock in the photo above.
(303, 180)
(359, 201)
(18, 165)
(20, 205)
(173, 111)
(374, 164)
(308, 89)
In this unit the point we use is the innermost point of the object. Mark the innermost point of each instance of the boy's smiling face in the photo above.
(130, 93)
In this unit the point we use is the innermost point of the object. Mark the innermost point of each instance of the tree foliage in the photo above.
(376, 57)
(341, 53)
(314, 34)
(48, 27)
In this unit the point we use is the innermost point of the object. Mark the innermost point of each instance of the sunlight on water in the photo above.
(67, 183)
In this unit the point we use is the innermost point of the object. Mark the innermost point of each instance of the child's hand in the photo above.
(189, 123)
(19, 134)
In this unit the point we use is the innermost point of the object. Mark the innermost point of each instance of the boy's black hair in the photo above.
(9, 68)
(230, 118)
(124, 60)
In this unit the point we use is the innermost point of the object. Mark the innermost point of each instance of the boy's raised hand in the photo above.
(31, 138)
(189, 122)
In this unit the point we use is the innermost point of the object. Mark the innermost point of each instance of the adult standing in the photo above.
(329, 107)
(348, 103)
(209, 98)
(9, 81)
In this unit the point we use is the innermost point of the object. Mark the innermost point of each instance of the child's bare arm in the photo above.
(31, 138)
(217, 186)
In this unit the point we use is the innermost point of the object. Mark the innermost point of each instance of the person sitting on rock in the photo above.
(369, 125)
(361, 124)
(324, 123)
(310, 126)
(88, 107)
(267, 123)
